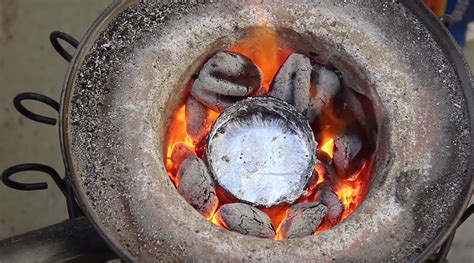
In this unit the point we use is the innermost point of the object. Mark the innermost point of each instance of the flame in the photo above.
(264, 48)
(321, 179)
(310, 195)
(177, 134)
(438, 6)
(211, 117)
(278, 231)
(215, 219)
(352, 190)
(277, 214)
(328, 147)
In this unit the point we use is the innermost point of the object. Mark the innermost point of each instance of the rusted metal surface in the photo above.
(130, 74)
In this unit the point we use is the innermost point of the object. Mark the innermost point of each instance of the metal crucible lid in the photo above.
(262, 151)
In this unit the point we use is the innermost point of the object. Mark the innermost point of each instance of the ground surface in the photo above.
(29, 63)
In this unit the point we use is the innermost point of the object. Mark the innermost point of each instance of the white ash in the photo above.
(292, 83)
(196, 186)
(261, 157)
(327, 84)
(302, 220)
(225, 78)
(196, 120)
(246, 220)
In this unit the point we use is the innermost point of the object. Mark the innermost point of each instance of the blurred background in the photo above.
(29, 63)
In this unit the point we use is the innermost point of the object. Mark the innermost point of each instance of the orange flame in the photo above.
(278, 231)
(277, 214)
(211, 117)
(177, 134)
(328, 146)
(263, 47)
(352, 190)
(215, 219)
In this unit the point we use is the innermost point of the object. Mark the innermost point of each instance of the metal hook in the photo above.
(35, 97)
(54, 38)
(31, 186)
(63, 184)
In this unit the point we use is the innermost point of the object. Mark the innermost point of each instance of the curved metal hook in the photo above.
(7, 174)
(54, 38)
(63, 184)
(35, 97)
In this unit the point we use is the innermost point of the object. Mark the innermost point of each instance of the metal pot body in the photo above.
(129, 74)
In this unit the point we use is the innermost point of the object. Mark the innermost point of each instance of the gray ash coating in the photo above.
(246, 220)
(437, 197)
(226, 78)
(380, 47)
(302, 220)
(197, 186)
(91, 120)
(292, 81)
(196, 120)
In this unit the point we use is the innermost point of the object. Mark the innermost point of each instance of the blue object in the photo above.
(462, 12)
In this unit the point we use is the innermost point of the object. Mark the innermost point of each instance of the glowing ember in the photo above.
(352, 190)
(279, 234)
(264, 47)
(328, 147)
(215, 220)
(177, 134)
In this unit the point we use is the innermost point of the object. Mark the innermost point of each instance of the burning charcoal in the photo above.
(327, 85)
(326, 170)
(226, 78)
(180, 152)
(320, 60)
(302, 220)
(196, 120)
(346, 148)
(196, 186)
(323, 156)
(353, 104)
(292, 83)
(246, 220)
(326, 196)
